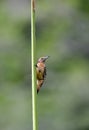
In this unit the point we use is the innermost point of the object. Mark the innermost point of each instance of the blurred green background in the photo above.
(62, 32)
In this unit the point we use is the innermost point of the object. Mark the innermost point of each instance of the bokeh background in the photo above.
(62, 32)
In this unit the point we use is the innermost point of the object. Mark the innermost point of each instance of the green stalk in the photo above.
(33, 56)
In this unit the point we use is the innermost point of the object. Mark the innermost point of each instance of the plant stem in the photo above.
(33, 56)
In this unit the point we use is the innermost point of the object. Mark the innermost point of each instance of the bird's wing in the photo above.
(44, 75)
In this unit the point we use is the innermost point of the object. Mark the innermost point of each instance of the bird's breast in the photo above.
(41, 65)
(40, 71)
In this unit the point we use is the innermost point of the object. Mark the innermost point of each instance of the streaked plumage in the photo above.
(41, 72)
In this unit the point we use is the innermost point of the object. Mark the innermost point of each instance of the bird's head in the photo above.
(43, 59)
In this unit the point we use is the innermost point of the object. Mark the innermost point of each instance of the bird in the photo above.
(41, 71)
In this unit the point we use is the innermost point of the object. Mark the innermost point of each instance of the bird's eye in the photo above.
(41, 58)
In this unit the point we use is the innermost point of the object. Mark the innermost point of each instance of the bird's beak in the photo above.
(46, 57)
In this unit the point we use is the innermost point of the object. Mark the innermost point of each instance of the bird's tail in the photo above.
(39, 84)
(37, 91)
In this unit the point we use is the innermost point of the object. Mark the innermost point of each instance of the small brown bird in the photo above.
(41, 71)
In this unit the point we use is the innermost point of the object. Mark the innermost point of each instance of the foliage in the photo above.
(62, 31)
